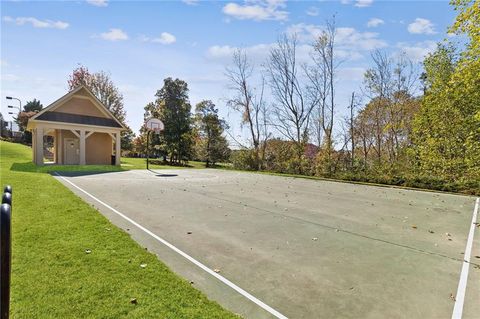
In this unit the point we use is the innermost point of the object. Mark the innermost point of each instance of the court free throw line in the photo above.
(183, 254)
(462, 284)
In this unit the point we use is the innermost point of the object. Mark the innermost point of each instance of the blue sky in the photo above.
(141, 43)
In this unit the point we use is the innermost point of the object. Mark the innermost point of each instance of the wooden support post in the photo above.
(118, 150)
(39, 146)
(82, 147)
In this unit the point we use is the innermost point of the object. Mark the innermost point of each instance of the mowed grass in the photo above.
(54, 277)
(141, 163)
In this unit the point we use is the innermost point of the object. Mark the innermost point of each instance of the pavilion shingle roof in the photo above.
(77, 119)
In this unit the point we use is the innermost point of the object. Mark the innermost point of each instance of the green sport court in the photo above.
(267, 246)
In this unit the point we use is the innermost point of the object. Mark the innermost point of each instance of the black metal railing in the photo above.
(5, 251)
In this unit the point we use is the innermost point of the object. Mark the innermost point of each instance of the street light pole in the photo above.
(14, 107)
(19, 101)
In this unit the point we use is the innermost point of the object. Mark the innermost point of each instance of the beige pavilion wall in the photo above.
(80, 106)
(98, 149)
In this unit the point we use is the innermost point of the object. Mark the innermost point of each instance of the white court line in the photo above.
(183, 254)
(462, 284)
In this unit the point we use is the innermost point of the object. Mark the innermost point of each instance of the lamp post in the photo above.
(14, 107)
(19, 101)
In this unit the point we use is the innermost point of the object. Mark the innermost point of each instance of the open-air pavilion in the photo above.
(83, 130)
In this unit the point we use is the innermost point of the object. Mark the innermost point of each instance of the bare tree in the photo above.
(364, 131)
(294, 101)
(388, 84)
(322, 76)
(249, 103)
(351, 125)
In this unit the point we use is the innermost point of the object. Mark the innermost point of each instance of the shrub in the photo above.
(243, 159)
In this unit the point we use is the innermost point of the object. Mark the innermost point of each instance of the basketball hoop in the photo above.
(153, 125)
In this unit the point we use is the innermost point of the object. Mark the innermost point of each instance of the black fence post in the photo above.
(5, 251)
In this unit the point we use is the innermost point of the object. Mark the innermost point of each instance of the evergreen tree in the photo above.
(211, 145)
(30, 109)
(33, 106)
(173, 108)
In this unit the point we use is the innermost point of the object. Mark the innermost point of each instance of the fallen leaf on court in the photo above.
(88, 251)
(133, 301)
(431, 231)
(315, 238)
(414, 226)
(452, 297)
(477, 256)
(216, 270)
(191, 282)
(189, 232)
(143, 265)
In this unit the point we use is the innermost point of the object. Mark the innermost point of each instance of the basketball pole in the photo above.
(148, 153)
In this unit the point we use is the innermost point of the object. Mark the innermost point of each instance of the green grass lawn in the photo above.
(140, 163)
(54, 277)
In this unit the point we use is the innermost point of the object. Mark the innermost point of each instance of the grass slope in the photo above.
(54, 277)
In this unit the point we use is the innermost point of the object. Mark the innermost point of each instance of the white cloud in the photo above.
(257, 10)
(114, 35)
(3, 63)
(313, 11)
(374, 22)
(191, 2)
(421, 26)
(225, 52)
(346, 38)
(259, 53)
(358, 3)
(418, 51)
(351, 73)
(98, 3)
(9, 77)
(220, 51)
(36, 23)
(165, 38)
(363, 3)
